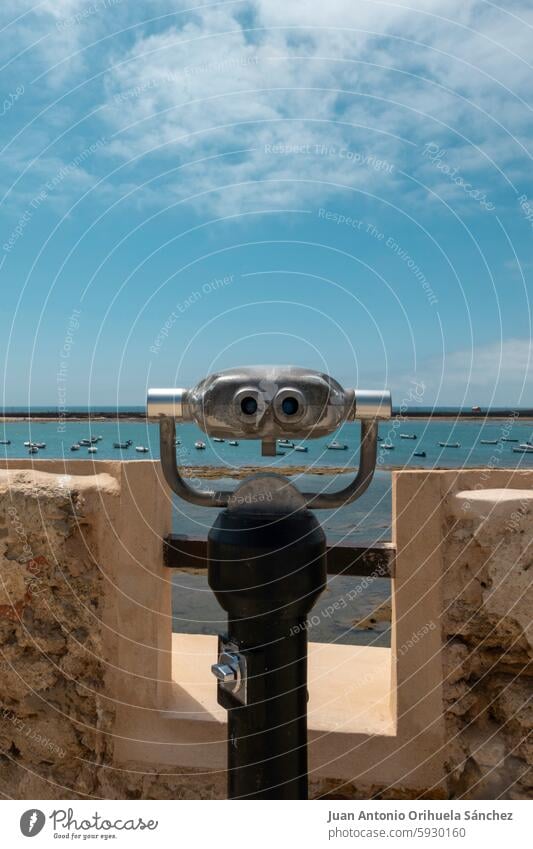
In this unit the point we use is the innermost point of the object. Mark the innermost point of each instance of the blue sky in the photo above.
(187, 187)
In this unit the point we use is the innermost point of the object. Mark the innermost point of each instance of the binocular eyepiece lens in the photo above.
(289, 406)
(249, 405)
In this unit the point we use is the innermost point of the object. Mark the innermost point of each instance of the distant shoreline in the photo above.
(214, 472)
(125, 416)
(241, 472)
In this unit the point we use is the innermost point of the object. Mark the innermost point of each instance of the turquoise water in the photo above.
(367, 521)
(429, 433)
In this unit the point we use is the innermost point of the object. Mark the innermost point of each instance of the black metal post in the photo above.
(267, 572)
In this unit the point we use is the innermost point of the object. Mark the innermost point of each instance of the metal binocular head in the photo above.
(268, 403)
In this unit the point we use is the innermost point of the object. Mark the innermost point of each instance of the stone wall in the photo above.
(54, 713)
(488, 636)
(85, 635)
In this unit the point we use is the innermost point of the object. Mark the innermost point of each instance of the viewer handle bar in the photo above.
(169, 406)
(171, 403)
(220, 498)
(369, 404)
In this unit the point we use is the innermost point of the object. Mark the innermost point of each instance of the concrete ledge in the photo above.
(492, 503)
(349, 693)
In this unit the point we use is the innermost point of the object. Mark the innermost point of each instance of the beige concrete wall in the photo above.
(475, 528)
(98, 699)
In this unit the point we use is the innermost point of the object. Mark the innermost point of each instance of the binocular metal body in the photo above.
(267, 555)
(269, 403)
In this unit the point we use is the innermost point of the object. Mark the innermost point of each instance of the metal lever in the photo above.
(224, 673)
(231, 671)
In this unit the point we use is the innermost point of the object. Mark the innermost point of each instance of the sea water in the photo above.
(367, 521)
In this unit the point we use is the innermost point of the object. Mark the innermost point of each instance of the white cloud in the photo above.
(206, 85)
(370, 77)
(501, 371)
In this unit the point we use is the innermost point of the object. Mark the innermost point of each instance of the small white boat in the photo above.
(40, 444)
(233, 442)
(5, 442)
(508, 439)
(92, 449)
(301, 448)
(142, 449)
(337, 446)
(408, 436)
(199, 445)
(121, 444)
(218, 439)
(488, 441)
(286, 443)
(450, 444)
(387, 446)
(419, 453)
(75, 447)
(523, 449)
(29, 444)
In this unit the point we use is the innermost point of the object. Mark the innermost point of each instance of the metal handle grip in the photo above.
(168, 402)
(210, 405)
